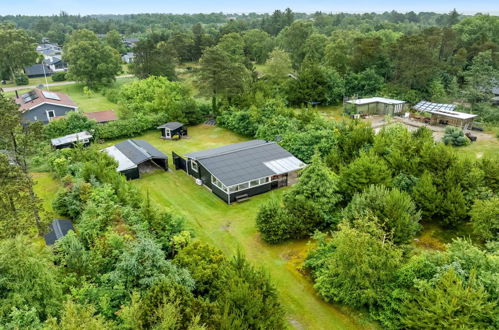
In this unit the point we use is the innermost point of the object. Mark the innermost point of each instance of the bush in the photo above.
(112, 94)
(22, 79)
(74, 122)
(273, 223)
(455, 137)
(131, 127)
(59, 76)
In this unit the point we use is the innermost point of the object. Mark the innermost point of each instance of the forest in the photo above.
(363, 203)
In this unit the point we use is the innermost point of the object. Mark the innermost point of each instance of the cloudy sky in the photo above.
(84, 7)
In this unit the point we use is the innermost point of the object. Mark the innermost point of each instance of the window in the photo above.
(254, 183)
(194, 166)
(243, 186)
(50, 114)
(217, 183)
(264, 180)
(233, 189)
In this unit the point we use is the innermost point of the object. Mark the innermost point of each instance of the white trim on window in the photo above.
(218, 183)
(194, 166)
(48, 116)
(249, 184)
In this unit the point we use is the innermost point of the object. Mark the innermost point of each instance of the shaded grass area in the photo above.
(45, 188)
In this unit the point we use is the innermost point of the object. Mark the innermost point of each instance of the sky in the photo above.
(86, 7)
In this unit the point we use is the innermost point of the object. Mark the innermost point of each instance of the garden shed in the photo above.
(375, 106)
(69, 141)
(135, 157)
(58, 229)
(444, 114)
(172, 129)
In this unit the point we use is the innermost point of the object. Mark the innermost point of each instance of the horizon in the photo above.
(115, 7)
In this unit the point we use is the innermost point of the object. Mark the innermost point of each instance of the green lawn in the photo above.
(232, 228)
(45, 188)
(483, 146)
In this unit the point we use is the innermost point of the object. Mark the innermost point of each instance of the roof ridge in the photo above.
(237, 150)
(142, 150)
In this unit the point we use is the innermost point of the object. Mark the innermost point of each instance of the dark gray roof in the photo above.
(37, 69)
(247, 161)
(171, 125)
(225, 149)
(58, 229)
(139, 151)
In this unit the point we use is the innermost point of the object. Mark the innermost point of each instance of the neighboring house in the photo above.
(376, 106)
(49, 49)
(55, 63)
(130, 42)
(58, 229)
(445, 114)
(171, 129)
(44, 106)
(38, 70)
(102, 117)
(135, 157)
(128, 58)
(237, 171)
(69, 141)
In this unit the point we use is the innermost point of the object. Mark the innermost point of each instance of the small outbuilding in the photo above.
(58, 229)
(375, 106)
(172, 129)
(135, 157)
(445, 114)
(102, 117)
(69, 141)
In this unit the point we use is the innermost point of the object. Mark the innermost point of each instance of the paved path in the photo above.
(62, 83)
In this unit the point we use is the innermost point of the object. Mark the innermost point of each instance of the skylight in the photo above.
(50, 95)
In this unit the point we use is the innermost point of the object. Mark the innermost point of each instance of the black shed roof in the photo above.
(58, 229)
(171, 125)
(37, 69)
(242, 162)
(139, 151)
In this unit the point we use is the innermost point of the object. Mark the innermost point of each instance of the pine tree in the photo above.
(426, 196)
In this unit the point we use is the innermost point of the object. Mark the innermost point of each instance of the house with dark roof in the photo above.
(44, 106)
(172, 129)
(237, 171)
(135, 157)
(38, 70)
(58, 229)
(55, 63)
(102, 117)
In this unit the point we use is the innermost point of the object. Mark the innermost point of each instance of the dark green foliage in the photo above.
(27, 278)
(448, 301)
(355, 265)
(426, 196)
(453, 207)
(70, 200)
(59, 76)
(240, 122)
(93, 63)
(154, 57)
(394, 209)
(485, 219)
(312, 204)
(364, 171)
(74, 122)
(22, 79)
(455, 137)
(274, 223)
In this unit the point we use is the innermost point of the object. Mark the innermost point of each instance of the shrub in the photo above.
(455, 137)
(74, 122)
(273, 223)
(59, 76)
(21, 79)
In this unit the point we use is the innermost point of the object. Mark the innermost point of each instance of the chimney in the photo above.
(17, 94)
